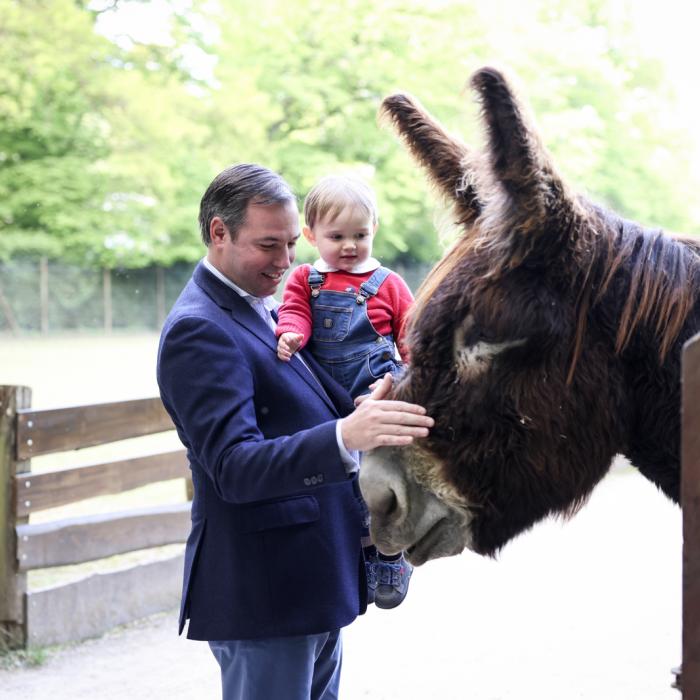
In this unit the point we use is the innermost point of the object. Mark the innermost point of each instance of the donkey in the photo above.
(544, 343)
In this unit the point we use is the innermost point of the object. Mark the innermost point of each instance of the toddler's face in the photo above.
(345, 241)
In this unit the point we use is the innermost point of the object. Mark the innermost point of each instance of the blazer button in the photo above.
(307, 481)
(320, 478)
(314, 480)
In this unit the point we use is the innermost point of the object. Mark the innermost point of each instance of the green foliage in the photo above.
(106, 144)
(50, 135)
(603, 100)
(315, 74)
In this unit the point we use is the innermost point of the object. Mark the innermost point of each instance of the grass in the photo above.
(65, 370)
(83, 369)
(33, 657)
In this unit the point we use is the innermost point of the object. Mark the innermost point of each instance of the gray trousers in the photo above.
(284, 668)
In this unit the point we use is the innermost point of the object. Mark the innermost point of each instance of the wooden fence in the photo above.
(689, 682)
(93, 604)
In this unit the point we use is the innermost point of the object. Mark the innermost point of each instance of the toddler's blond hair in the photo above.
(333, 193)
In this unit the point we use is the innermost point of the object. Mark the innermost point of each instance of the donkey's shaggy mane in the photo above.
(664, 275)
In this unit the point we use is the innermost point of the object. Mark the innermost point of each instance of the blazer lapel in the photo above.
(244, 314)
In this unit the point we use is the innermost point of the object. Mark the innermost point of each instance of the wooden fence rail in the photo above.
(94, 603)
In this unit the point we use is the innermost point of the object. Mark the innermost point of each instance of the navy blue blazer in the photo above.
(276, 521)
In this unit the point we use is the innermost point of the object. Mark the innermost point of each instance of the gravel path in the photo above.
(586, 610)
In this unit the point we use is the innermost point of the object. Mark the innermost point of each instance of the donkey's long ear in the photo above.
(442, 155)
(533, 204)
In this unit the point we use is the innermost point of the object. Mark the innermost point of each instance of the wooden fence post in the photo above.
(13, 584)
(690, 501)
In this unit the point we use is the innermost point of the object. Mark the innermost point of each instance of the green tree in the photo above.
(51, 137)
(602, 100)
(107, 141)
(300, 85)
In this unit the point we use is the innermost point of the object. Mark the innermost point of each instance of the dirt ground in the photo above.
(589, 610)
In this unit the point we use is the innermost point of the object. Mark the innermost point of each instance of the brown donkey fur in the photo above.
(546, 341)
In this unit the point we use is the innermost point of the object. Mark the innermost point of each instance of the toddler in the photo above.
(350, 312)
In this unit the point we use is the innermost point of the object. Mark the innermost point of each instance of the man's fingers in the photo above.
(406, 430)
(360, 399)
(393, 407)
(403, 413)
(394, 440)
(383, 387)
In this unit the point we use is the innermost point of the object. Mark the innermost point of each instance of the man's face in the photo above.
(261, 252)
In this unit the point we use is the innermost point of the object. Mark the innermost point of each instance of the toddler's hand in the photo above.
(288, 344)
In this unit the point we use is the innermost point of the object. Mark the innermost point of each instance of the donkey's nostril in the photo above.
(387, 504)
(381, 501)
(383, 488)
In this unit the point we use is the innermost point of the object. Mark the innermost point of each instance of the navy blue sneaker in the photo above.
(371, 571)
(392, 582)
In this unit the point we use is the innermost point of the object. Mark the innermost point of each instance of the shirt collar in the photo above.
(269, 302)
(368, 265)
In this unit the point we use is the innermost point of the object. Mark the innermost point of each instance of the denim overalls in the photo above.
(343, 340)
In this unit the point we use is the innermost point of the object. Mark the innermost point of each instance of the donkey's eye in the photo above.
(472, 334)
(485, 336)
(476, 348)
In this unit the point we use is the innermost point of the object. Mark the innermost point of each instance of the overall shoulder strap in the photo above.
(371, 286)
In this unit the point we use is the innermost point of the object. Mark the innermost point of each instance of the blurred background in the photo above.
(116, 114)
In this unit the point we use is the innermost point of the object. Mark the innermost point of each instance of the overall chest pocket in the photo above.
(331, 323)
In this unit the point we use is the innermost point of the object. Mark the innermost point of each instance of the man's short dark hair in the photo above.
(232, 190)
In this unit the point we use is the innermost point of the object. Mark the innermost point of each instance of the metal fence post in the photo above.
(44, 293)
(13, 585)
(107, 299)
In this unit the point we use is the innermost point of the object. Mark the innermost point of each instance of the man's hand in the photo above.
(288, 344)
(377, 421)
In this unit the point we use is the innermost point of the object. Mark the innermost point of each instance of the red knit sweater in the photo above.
(386, 310)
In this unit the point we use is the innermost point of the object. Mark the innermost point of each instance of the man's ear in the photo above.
(218, 230)
(309, 235)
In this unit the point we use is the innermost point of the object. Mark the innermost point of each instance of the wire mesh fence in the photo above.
(40, 296)
(44, 296)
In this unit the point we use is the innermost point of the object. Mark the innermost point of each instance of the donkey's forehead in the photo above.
(505, 305)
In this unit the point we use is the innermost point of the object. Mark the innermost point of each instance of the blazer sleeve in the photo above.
(207, 385)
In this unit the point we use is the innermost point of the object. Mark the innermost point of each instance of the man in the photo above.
(273, 565)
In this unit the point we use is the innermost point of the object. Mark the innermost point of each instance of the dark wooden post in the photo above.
(690, 501)
(13, 585)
